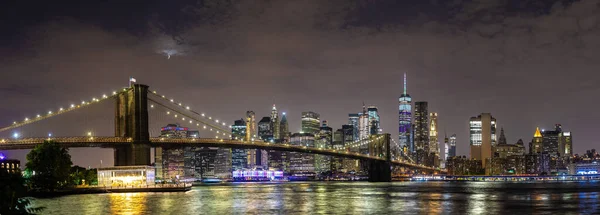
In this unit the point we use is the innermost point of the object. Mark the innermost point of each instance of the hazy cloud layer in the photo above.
(529, 63)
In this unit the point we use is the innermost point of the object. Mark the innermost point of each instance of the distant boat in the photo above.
(211, 180)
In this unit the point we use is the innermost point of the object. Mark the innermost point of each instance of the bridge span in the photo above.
(111, 142)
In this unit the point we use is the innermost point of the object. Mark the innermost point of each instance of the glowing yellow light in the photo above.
(49, 112)
(104, 96)
(188, 107)
(151, 106)
(114, 92)
(182, 118)
(202, 114)
(172, 100)
(197, 124)
(72, 105)
(26, 119)
(168, 112)
(60, 109)
(217, 121)
(38, 116)
(179, 104)
(190, 121)
(154, 92)
(175, 115)
(204, 127)
(209, 117)
(14, 122)
(163, 96)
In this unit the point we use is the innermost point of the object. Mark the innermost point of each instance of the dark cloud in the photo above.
(529, 63)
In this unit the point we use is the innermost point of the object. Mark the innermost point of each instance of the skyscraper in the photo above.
(446, 147)
(374, 122)
(452, 141)
(404, 122)
(302, 163)
(535, 146)
(265, 131)
(363, 124)
(275, 123)
(283, 128)
(434, 144)
(482, 136)
(310, 122)
(565, 144)
(421, 130)
(323, 140)
(239, 157)
(250, 126)
(353, 120)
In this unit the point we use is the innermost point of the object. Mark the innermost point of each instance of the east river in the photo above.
(344, 198)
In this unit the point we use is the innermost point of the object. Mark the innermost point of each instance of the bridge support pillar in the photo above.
(380, 170)
(131, 121)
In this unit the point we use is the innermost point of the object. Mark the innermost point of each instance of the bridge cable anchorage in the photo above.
(60, 111)
(187, 108)
(181, 115)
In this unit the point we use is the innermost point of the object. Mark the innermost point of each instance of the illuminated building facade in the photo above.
(421, 132)
(284, 128)
(482, 135)
(535, 146)
(275, 123)
(311, 122)
(452, 142)
(302, 163)
(353, 120)
(11, 166)
(170, 161)
(131, 176)
(565, 144)
(374, 120)
(404, 122)
(323, 140)
(363, 124)
(265, 129)
(239, 157)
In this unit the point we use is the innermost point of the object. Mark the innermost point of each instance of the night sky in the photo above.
(528, 62)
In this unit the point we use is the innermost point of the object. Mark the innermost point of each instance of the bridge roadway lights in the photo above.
(380, 171)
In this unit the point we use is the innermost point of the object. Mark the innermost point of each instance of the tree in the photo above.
(50, 165)
(79, 174)
(12, 195)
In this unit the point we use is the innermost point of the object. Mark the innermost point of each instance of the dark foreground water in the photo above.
(345, 198)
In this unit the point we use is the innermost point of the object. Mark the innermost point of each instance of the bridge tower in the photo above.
(380, 170)
(131, 121)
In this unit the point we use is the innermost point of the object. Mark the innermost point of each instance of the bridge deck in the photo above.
(108, 142)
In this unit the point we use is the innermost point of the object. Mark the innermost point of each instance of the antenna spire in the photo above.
(405, 83)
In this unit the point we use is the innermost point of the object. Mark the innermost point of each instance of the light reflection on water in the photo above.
(343, 198)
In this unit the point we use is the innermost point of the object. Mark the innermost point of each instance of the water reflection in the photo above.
(127, 203)
(343, 198)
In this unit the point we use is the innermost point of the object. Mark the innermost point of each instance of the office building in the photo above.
(239, 157)
(323, 140)
(11, 166)
(311, 122)
(452, 143)
(265, 129)
(374, 120)
(421, 132)
(364, 124)
(446, 147)
(302, 163)
(482, 135)
(404, 122)
(535, 146)
(434, 144)
(565, 144)
(170, 161)
(284, 128)
(251, 130)
(353, 119)
(275, 123)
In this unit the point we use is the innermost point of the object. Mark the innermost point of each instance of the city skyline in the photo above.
(341, 62)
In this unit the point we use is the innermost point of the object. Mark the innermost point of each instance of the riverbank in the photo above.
(101, 189)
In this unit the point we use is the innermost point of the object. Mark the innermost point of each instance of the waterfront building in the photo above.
(537, 163)
(302, 163)
(461, 165)
(482, 132)
(223, 163)
(584, 168)
(170, 162)
(200, 163)
(421, 132)
(12, 166)
(119, 176)
(239, 157)
(284, 128)
(323, 140)
(310, 122)
(452, 142)
(404, 122)
(374, 120)
(511, 165)
(353, 119)
(275, 123)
